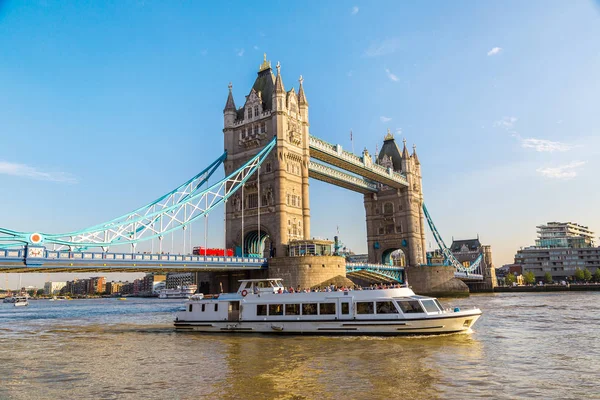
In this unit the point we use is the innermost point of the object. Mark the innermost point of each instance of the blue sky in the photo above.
(104, 106)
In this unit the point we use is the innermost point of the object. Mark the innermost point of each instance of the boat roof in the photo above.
(260, 280)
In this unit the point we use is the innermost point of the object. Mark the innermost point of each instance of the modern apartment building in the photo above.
(564, 234)
(560, 249)
(51, 288)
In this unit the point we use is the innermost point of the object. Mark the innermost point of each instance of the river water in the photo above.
(526, 345)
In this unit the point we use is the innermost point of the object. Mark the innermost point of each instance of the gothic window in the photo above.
(253, 200)
(249, 112)
(265, 199)
(381, 231)
(256, 111)
(256, 129)
(268, 167)
(264, 127)
(388, 208)
(389, 228)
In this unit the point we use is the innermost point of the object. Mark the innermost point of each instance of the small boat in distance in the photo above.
(181, 292)
(266, 306)
(121, 298)
(21, 301)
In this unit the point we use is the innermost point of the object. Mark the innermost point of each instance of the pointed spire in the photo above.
(265, 64)
(405, 154)
(389, 136)
(230, 105)
(414, 155)
(278, 81)
(301, 96)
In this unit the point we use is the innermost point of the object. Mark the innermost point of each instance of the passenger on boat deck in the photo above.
(255, 290)
(280, 291)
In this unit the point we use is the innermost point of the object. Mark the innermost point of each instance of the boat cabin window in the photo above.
(364, 307)
(430, 306)
(292, 309)
(216, 307)
(345, 308)
(410, 306)
(438, 304)
(275, 309)
(326, 308)
(309, 309)
(190, 308)
(261, 309)
(386, 307)
(203, 305)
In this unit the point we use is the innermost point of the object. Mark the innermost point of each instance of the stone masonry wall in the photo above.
(306, 271)
(438, 281)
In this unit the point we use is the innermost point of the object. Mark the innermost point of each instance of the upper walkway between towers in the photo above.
(363, 165)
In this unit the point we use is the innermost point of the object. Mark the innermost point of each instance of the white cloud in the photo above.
(240, 52)
(383, 47)
(349, 74)
(255, 47)
(506, 123)
(567, 171)
(25, 171)
(354, 10)
(543, 145)
(390, 75)
(494, 51)
(399, 131)
(384, 119)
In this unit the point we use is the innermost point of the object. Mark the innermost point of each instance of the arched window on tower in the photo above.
(256, 111)
(388, 208)
(249, 112)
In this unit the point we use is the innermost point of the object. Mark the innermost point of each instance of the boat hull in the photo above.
(458, 322)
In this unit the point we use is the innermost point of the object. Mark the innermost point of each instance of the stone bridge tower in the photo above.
(395, 219)
(281, 196)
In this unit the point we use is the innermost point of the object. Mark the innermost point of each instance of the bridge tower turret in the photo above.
(395, 219)
(282, 196)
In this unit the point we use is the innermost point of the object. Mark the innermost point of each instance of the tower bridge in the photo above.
(268, 159)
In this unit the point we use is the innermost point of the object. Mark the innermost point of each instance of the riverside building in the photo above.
(560, 249)
(51, 288)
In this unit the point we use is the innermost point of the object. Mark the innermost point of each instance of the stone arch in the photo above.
(394, 256)
(256, 245)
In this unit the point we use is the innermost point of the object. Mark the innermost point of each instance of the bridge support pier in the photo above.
(306, 271)
(436, 281)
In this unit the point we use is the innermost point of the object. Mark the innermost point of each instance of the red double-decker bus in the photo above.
(203, 251)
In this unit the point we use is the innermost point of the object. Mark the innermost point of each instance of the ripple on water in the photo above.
(524, 346)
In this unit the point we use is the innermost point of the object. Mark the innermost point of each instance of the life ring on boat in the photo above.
(244, 293)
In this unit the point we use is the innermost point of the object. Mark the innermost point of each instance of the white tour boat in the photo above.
(262, 306)
(21, 301)
(181, 292)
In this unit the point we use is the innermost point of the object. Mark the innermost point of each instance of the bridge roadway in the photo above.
(39, 259)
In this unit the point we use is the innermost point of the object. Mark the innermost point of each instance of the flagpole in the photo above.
(352, 141)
